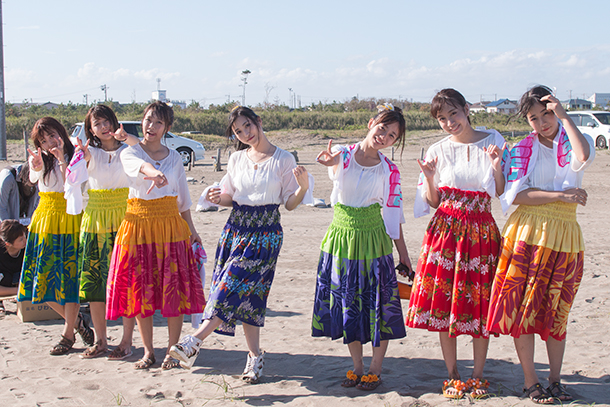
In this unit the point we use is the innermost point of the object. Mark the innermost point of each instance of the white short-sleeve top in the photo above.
(263, 183)
(132, 159)
(543, 174)
(106, 170)
(465, 166)
(360, 186)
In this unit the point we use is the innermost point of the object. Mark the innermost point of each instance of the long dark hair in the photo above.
(235, 113)
(44, 126)
(99, 112)
(531, 97)
(447, 96)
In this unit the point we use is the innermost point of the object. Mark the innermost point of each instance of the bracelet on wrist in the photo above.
(62, 163)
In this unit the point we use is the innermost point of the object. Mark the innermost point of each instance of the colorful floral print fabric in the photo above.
(245, 266)
(456, 266)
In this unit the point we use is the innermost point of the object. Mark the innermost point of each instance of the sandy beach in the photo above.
(301, 370)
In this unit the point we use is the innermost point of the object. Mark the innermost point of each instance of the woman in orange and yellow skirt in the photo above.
(153, 266)
(541, 262)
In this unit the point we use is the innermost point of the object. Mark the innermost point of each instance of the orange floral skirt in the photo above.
(539, 272)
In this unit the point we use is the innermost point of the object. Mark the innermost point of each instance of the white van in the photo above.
(595, 123)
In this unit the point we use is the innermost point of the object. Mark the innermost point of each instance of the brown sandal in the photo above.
(62, 347)
(94, 351)
(351, 379)
(144, 363)
(170, 363)
(369, 382)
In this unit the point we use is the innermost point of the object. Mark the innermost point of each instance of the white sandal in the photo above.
(254, 368)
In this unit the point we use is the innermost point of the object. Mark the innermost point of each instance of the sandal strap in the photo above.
(558, 390)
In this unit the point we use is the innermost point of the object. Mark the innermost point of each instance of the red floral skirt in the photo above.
(456, 266)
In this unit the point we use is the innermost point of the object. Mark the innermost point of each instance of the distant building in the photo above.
(576, 104)
(503, 106)
(478, 107)
(600, 100)
(180, 103)
(160, 95)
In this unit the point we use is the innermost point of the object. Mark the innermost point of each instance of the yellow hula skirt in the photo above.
(50, 270)
(101, 220)
(153, 265)
(539, 271)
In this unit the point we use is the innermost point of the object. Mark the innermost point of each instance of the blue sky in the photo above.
(324, 50)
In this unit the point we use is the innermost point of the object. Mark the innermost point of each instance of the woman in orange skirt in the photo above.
(541, 262)
(153, 266)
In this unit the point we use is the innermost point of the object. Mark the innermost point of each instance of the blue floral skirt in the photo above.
(245, 266)
(356, 289)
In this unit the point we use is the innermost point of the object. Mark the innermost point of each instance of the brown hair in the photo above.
(235, 113)
(447, 96)
(387, 116)
(531, 97)
(44, 126)
(99, 112)
(162, 111)
(11, 230)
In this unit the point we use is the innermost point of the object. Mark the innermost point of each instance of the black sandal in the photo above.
(62, 347)
(558, 390)
(85, 332)
(541, 397)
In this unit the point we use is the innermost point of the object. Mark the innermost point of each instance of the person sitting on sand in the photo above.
(13, 237)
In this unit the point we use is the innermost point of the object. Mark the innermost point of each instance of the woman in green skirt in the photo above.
(356, 290)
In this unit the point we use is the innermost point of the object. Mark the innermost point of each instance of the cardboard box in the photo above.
(29, 312)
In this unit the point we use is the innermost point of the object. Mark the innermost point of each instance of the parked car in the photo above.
(185, 146)
(595, 123)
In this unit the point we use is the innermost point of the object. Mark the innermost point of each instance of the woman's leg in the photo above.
(524, 345)
(207, 327)
(479, 350)
(355, 351)
(128, 326)
(555, 350)
(174, 328)
(449, 348)
(98, 317)
(252, 334)
(69, 312)
(145, 326)
(378, 355)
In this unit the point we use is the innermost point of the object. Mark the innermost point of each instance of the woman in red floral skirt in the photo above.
(460, 250)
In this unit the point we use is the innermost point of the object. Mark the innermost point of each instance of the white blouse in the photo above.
(360, 186)
(54, 182)
(465, 166)
(132, 159)
(106, 170)
(263, 183)
(543, 173)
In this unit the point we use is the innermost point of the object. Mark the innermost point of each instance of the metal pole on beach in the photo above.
(2, 111)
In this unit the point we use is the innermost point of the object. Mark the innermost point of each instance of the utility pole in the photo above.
(244, 79)
(86, 96)
(289, 98)
(2, 111)
(105, 89)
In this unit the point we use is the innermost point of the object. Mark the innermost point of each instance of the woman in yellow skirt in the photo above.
(541, 263)
(50, 272)
(153, 266)
(108, 189)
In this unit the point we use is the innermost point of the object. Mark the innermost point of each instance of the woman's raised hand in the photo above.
(495, 155)
(159, 180)
(120, 134)
(84, 148)
(35, 159)
(302, 177)
(428, 168)
(58, 151)
(327, 157)
(553, 104)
